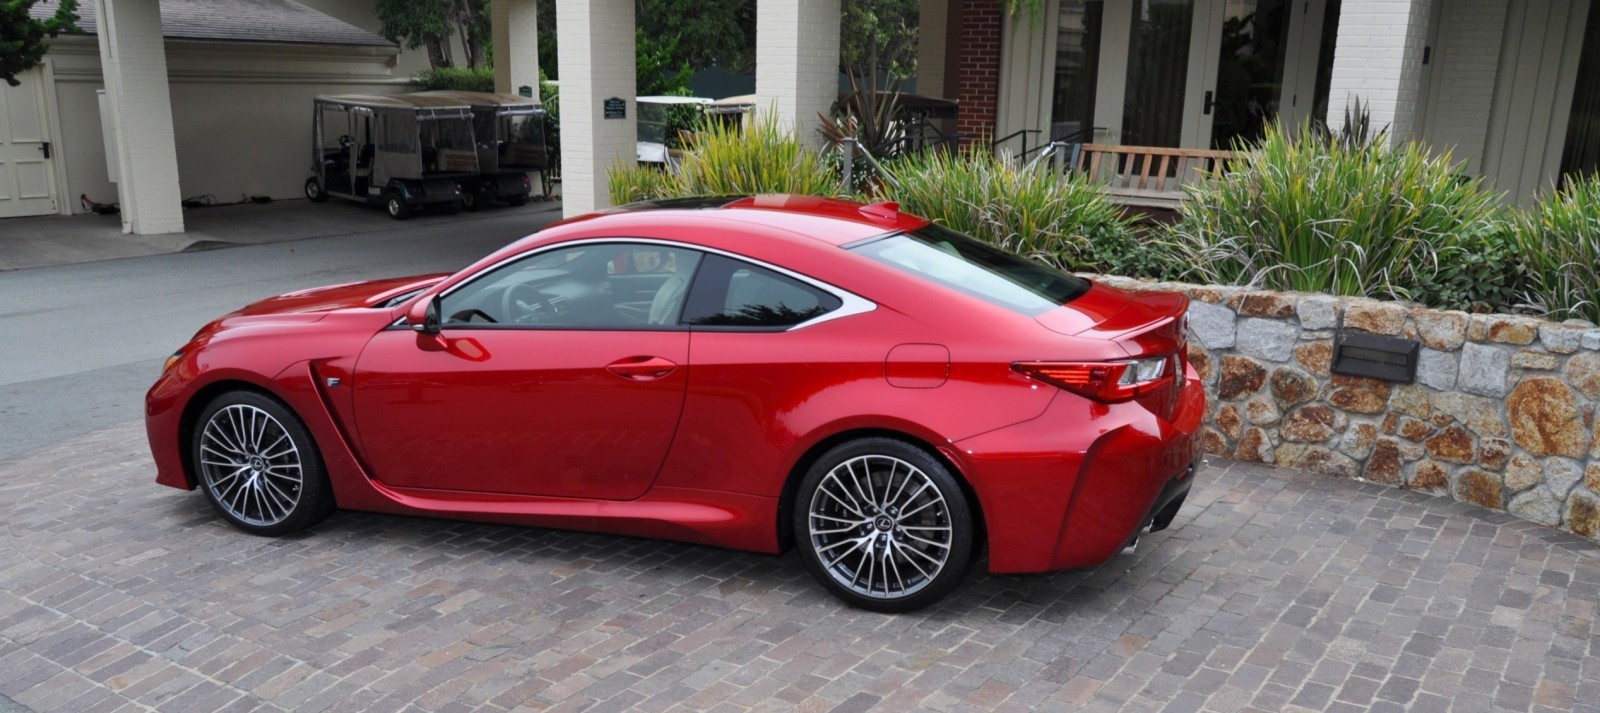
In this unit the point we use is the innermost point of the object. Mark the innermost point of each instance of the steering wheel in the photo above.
(524, 303)
(469, 316)
(347, 141)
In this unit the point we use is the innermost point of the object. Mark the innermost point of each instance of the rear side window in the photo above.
(731, 293)
(975, 268)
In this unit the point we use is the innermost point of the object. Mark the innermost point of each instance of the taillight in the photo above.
(1109, 382)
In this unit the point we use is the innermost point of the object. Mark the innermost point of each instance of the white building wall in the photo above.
(241, 113)
(1379, 61)
(516, 46)
(1465, 61)
(361, 14)
(593, 69)
(797, 60)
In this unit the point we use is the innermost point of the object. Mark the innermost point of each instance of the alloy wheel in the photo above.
(880, 527)
(251, 465)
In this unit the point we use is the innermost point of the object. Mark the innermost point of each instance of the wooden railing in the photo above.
(1142, 176)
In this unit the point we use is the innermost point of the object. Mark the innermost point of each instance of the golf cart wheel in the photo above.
(516, 200)
(396, 205)
(449, 208)
(314, 192)
(472, 200)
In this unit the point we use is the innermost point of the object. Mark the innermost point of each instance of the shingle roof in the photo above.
(282, 21)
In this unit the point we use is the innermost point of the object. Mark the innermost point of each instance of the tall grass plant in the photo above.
(1560, 237)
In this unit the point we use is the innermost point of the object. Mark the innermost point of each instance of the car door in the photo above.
(543, 381)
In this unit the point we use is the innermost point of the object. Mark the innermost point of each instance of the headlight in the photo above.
(172, 360)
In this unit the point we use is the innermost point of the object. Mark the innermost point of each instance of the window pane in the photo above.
(1255, 35)
(1158, 71)
(1582, 153)
(611, 286)
(977, 269)
(732, 293)
(1077, 70)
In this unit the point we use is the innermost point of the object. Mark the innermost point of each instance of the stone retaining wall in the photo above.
(1503, 414)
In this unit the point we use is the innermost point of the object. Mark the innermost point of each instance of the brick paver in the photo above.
(1275, 591)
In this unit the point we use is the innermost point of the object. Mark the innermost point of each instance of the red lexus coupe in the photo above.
(883, 393)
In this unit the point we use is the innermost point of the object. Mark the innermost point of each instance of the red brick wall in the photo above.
(978, 75)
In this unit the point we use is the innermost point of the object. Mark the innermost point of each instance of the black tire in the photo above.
(516, 200)
(921, 546)
(449, 208)
(258, 465)
(314, 192)
(472, 200)
(395, 205)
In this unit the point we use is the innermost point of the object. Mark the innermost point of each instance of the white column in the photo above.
(1379, 59)
(516, 45)
(596, 59)
(797, 60)
(134, 61)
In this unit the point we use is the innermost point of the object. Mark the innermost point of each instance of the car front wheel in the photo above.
(258, 465)
(884, 525)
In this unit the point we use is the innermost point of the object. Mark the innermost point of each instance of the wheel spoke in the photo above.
(857, 523)
(251, 465)
(917, 509)
(853, 506)
(837, 560)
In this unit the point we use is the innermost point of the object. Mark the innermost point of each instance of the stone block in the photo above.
(1414, 430)
(1537, 505)
(1484, 369)
(1479, 488)
(1312, 423)
(1318, 312)
(1437, 369)
(1411, 400)
(1591, 340)
(1261, 411)
(1561, 338)
(1591, 477)
(1375, 317)
(1290, 386)
(1385, 464)
(1534, 360)
(1481, 415)
(1204, 364)
(1508, 329)
(1314, 357)
(1255, 447)
(1561, 475)
(1523, 472)
(1583, 514)
(1545, 420)
(1269, 339)
(1429, 476)
(1229, 420)
(1212, 324)
(1318, 459)
(1210, 295)
(1213, 443)
(1453, 444)
(1358, 440)
(1242, 377)
(1276, 305)
(1444, 331)
(1583, 372)
(1493, 453)
(1359, 394)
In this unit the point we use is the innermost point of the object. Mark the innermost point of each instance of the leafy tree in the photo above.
(430, 23)
(22, 38)
(879, 36)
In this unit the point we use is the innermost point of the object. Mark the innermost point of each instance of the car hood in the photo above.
(370, 293)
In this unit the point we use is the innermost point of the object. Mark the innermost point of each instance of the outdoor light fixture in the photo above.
(1376, 357)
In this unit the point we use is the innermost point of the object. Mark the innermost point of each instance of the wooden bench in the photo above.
(1145, 176)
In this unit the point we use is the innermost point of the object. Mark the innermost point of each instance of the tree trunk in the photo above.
(439, 51)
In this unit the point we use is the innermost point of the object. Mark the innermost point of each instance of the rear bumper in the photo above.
(1071, 488)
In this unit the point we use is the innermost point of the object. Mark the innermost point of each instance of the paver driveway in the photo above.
(1276, 590)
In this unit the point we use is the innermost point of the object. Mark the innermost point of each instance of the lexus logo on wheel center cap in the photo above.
(883, 523)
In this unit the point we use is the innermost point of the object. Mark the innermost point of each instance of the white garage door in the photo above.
(26, 184)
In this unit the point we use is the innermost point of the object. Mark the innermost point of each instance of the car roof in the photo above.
(827, 220)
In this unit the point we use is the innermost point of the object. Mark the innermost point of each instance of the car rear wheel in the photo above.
(884, 525)
(314, 192)
(258, 466)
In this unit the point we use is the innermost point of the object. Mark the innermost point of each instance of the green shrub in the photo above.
(1346, 218)
(1561, 239)
(1051, 218)
(725, 160)
(630, 182)
(1484, 273)
(461, 79)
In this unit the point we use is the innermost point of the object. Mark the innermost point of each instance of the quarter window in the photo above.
(732, 293)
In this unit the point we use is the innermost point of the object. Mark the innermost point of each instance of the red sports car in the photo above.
(885, 394)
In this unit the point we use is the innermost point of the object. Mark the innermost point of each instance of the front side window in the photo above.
(732, 293)
(974, 268)
(593, 286)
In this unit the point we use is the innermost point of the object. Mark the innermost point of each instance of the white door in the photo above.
(27, 183)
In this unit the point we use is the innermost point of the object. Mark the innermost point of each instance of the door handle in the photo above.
(642, 368)
(1208, 102)
(45, 147)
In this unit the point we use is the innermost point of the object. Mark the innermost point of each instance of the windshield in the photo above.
(975, 268)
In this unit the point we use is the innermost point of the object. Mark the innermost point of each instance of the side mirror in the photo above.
(424, 316)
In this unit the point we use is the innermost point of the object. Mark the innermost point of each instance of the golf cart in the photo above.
(656, 126)
(509, 131)
(404, 153)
